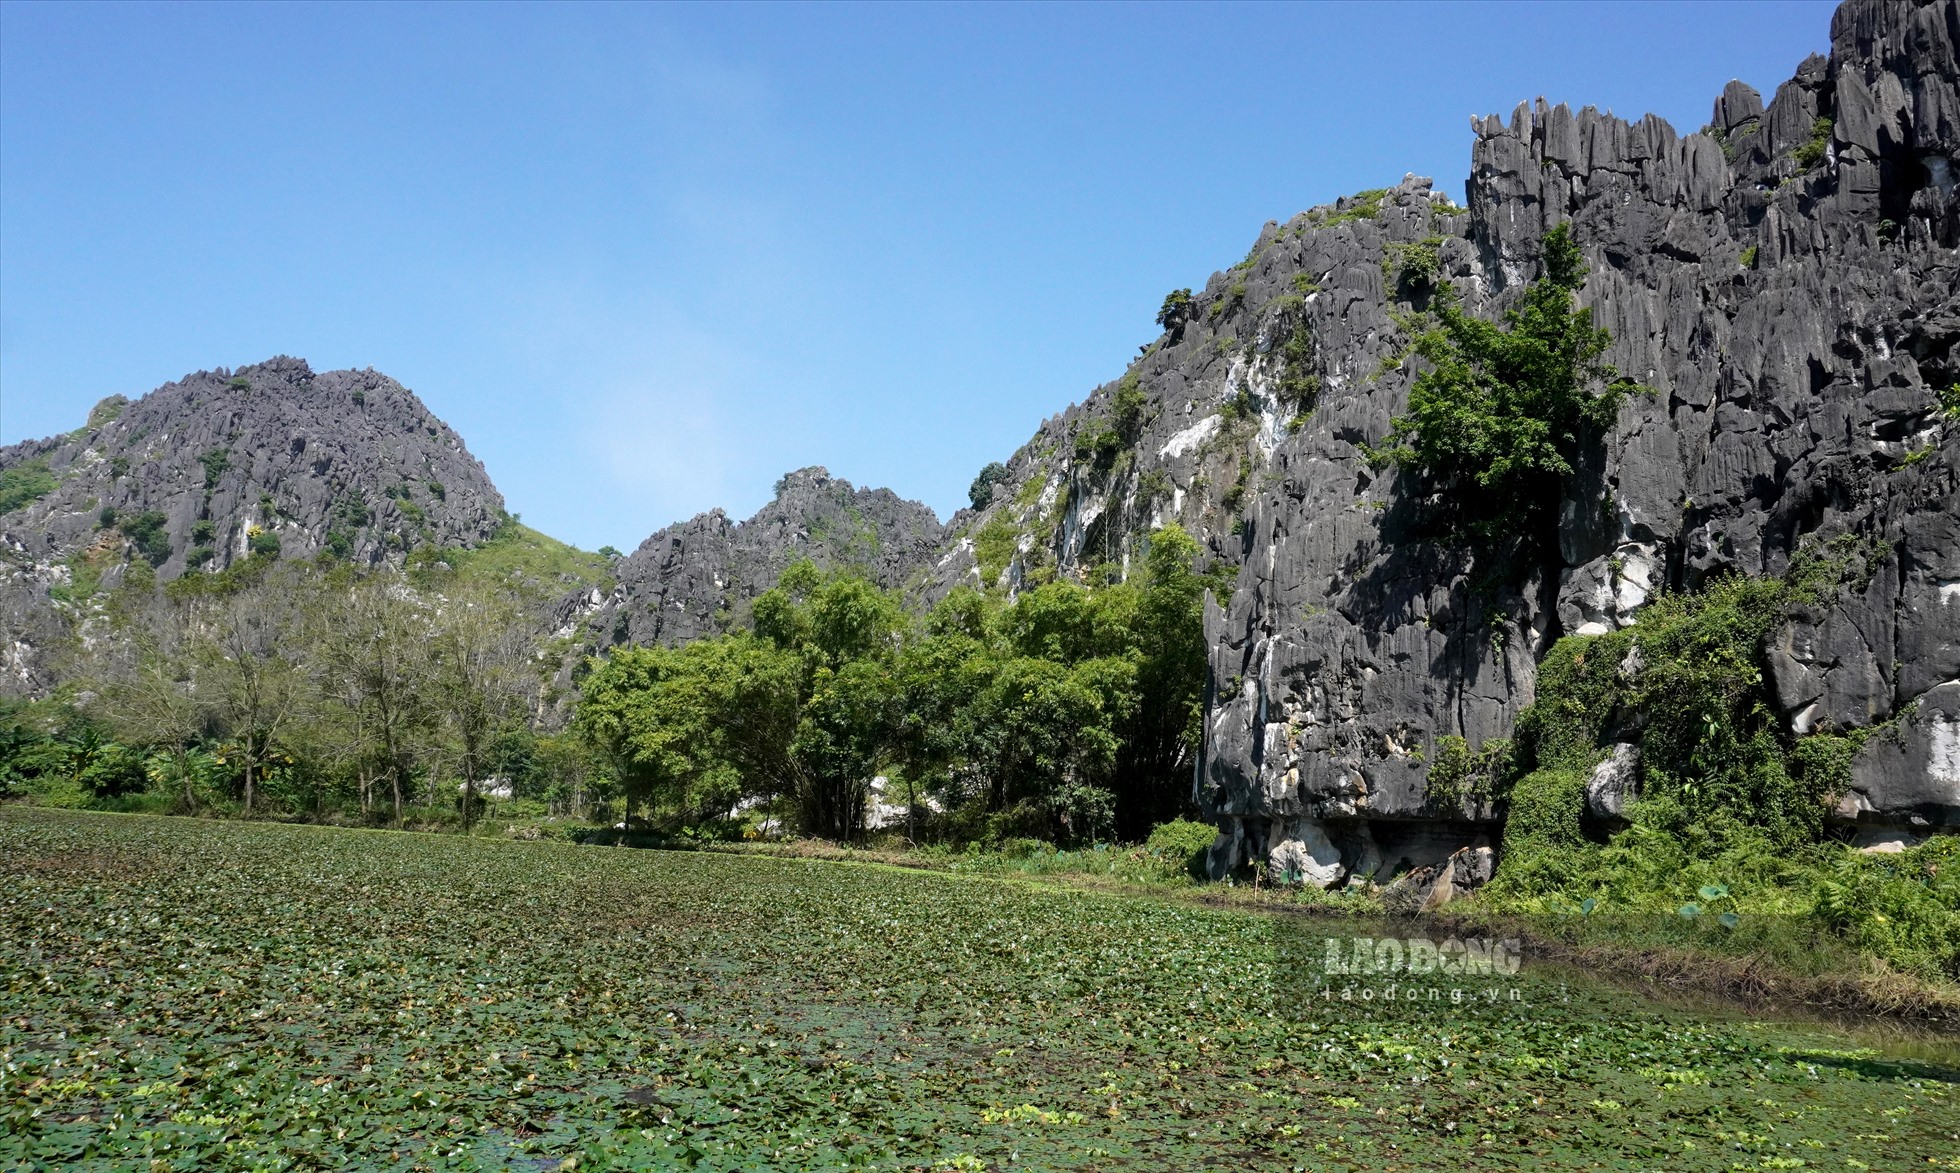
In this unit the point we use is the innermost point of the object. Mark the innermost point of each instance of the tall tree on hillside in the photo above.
(249, 669)
(1159, 739)
(481, 678)
(144, 685)
(375, 647)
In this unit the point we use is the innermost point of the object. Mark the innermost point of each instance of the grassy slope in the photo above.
(230, 995)
(523, 555)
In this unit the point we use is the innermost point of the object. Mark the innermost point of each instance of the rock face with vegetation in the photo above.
(203, 472)
(695, 578)
(1783, 285)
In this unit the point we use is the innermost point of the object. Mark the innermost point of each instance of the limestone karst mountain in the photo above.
(1784, 279)
(199, 471)
(694, 578)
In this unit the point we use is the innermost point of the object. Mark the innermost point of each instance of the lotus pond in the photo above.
(177, 994)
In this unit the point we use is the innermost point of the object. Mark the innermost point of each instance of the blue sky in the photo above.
(646, 259)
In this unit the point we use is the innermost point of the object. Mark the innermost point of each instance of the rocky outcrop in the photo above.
(697, 578)
(191, 475)
(1786, 284)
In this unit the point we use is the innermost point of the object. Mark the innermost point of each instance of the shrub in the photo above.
(1230, 300)
(1298, 387)
(1183, 840)
(1748, 257)
(1415, 265)
(215, 463)
(264, 542)
(107, 410)
(1097, 444)
(147, 532)
(981, 490)
(1508, 408)
(1175, 313)
(1460, 774)
(994, 547)
(202, 531)
(1904, 908)
(1127, 408)
(1811, 152)
(1362, 205)
(24, 484)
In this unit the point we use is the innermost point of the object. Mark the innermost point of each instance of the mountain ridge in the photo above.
(1781, 278)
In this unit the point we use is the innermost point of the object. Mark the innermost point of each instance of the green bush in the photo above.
(1415, 265)
(981, 490)
(146, 531)
(1460, 774)
(1811, 152)
(216, 462)
(265, 542)
(1729, 802)
(1184, 841)
(25, 483)
(1127, 408)
(1298, 387)
(1176, 310)
(1024, 848)
(1499, 419)
(1098, 444)
(1362, 205)
(1904, 908)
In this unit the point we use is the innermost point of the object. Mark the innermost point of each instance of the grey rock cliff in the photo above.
(1789, 288)
(345, 459)
(697, 578)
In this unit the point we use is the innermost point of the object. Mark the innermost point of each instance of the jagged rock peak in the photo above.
(1786, 287)
(695, 578)
(350, 459)
(200, 472)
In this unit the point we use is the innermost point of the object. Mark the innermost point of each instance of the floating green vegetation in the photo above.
(231, 996)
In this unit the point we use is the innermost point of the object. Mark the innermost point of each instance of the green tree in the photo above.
(373, 644)
(981, 490)
(247, 663)
(1503, 413)
(1159, 741)
(479, 653)
(1175, 313)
